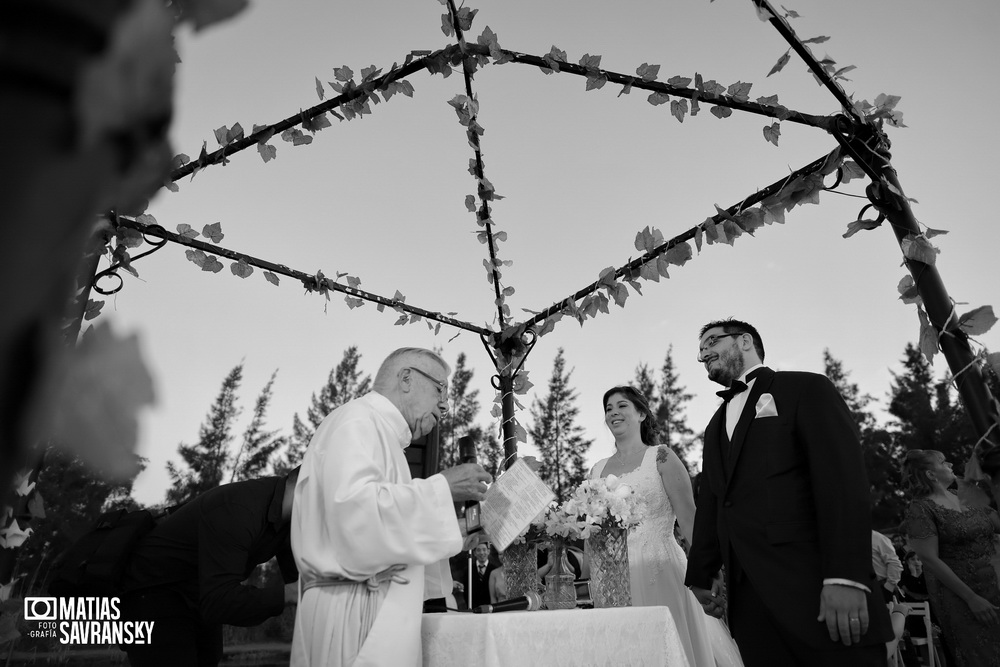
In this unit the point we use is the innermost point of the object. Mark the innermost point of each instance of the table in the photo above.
(570, 637)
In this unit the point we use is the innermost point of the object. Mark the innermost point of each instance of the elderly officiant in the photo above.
(370, 542)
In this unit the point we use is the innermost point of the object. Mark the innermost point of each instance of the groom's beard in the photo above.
(727, 368)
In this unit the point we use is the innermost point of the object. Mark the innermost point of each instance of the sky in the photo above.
(581, 172)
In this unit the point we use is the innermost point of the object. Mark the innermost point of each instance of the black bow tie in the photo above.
(737, 387)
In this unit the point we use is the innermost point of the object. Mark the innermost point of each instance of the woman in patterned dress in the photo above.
(955, 544)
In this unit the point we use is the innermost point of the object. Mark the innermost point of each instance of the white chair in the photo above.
(923, 609)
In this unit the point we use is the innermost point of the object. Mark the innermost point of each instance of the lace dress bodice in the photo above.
(652, 540)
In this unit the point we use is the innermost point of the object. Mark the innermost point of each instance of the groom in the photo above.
(784, 505)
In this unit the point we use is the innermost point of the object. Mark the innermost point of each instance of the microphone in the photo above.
(467, 454)
(531, 601)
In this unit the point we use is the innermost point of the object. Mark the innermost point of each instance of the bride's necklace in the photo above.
(624, 462)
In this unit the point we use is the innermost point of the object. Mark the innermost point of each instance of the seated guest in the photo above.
(886, 565)
(187, 575)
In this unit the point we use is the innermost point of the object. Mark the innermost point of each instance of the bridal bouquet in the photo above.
(597, 504)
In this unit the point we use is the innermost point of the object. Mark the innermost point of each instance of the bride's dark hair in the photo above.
(649, 429)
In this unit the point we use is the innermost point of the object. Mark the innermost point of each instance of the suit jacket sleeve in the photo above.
(826, 428)
(705, 557)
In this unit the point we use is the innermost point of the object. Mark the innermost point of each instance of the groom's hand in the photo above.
(467, 481)
(845, 611)
(710, 601)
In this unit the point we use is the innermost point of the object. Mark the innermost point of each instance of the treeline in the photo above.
(921, 411)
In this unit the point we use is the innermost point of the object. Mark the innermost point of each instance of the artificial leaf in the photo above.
(270, 277)
(185, 231)
(663, 266)
(319, 89)
(241, 269)
(317, 122)
(782, 61)
(212, 264)
(740, 91)
(179, 161)
(678, 109)
(679, 81)
(465, 16)
(647, 72)
(13, 535)
(369, 73)
(267, 152)
(977, 322)
(790, 13)
(104, 387)
(931, 233)
(679, 254)
(648, 239)
(839, 74)
(919, 249)
(470, 203)
(343, 73)
(129, 238)
(816, 40)
(648, 271)
(928, 336)
(772, 132)
(590, 62)
(713, 87)
(763, 13)
(552, 59)
(213, 232)
(851, 170)
(23, 485)
(195, 256)
(721, 112)
(93, 309)
(658, 98)
(993, 359)
(596, 81)
(857, 225)
(908, 291)
(295, 137)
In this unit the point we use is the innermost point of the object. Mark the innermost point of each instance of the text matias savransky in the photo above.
(84, 620)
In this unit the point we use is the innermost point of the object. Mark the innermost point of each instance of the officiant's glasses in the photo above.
(441, 386)
(712, 340)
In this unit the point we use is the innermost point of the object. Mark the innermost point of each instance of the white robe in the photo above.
(357, 512)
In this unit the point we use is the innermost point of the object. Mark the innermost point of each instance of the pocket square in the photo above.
(766, 407)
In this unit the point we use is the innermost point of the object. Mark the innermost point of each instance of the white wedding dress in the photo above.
(657, 565)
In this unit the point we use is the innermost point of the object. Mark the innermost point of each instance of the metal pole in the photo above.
(507, 408)
(869, 146)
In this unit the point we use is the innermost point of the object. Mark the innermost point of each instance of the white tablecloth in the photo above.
(571, 637)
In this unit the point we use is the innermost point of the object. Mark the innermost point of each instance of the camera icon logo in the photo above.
(40, 609)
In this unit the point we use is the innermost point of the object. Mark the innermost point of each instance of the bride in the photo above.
(656, 561)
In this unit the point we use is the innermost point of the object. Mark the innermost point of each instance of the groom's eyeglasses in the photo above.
(711, 341)
(441, 386)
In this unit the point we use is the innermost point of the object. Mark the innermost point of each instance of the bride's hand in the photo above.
(710, 601)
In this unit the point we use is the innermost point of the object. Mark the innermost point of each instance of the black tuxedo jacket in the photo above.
(790, 499)
(480, 593)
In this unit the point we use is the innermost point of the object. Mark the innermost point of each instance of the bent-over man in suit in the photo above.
(784, 504)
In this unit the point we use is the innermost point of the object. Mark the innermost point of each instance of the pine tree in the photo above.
(673, 398)
(667, 400)
(556, 434)
(926, 414)
(463, 408)
(258, 445)
(208, 459)
(345, 383)
(881, 454)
